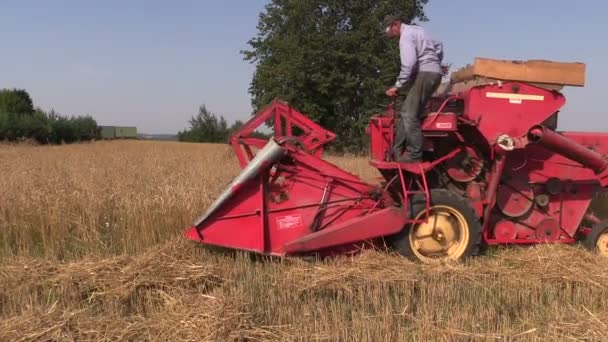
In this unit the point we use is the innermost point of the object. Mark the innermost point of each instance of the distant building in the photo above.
(117, 132)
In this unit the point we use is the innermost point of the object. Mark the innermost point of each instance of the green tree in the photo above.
(19, 120)
(85, 127)
(328, 59)
(235, 127)
(238, 124)
(71, 129)
(17, 126)
(211, 128)
(205, 127)
(16, 101)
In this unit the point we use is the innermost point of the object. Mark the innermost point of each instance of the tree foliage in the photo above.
(328, 59)
(208, 127)
(71, 129)
(16, 101)
(205, 127)
(19, 120)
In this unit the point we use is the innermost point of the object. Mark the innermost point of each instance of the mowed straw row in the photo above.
(91, 249)
(183, 292)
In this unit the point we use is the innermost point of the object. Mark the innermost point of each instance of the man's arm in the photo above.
(439, 50)
(409, 58)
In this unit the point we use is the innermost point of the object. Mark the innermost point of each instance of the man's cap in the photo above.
(389, 19)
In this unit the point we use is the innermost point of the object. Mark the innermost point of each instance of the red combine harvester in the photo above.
(495, 172)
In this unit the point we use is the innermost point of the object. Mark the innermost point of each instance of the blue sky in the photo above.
(152, 63)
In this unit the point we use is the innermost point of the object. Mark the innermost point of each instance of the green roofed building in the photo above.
(118, 132)
(126, 132)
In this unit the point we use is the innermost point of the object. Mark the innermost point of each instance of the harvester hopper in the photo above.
(495, 172)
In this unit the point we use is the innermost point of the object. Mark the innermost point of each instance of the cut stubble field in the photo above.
(91, 249)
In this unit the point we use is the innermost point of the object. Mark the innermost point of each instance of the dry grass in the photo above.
(90, 249)
(104, 198)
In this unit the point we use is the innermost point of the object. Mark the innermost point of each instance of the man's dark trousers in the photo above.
(409, 132)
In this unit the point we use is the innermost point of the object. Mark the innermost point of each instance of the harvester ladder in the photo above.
(407, 195)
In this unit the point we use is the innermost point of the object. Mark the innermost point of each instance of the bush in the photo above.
(207, 127)
(70, 130)
(14, 126)
(16, 101)
(19, 120)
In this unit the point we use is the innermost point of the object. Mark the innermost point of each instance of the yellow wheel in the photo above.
(602, 244)
(597, 240)
(445, 235)
(451, 232)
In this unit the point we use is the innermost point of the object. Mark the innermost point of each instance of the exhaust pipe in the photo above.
(568, 148)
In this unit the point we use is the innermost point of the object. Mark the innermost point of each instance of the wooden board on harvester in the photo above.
(533, 71)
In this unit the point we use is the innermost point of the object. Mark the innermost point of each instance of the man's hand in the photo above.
(445, 70)
(392, 92)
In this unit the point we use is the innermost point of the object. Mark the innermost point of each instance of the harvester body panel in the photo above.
(510, 108)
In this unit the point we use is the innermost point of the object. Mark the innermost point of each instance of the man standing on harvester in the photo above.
(421, 58)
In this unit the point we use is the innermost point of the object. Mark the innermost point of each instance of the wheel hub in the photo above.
(602, 244)
(443, 236)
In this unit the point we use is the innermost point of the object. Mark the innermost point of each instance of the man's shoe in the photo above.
(407, 159)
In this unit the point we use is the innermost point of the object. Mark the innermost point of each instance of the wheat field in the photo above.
(91, 250)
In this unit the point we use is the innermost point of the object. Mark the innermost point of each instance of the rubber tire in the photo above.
(597, 229)
(401, 243)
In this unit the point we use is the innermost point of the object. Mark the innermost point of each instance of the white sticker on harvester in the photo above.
(445, 125)
(289, 222)
(515, 98)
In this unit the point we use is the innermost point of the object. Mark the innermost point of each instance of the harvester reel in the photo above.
(451, 232)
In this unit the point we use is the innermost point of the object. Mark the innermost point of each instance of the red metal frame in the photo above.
(293, 211)
(285, 121)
